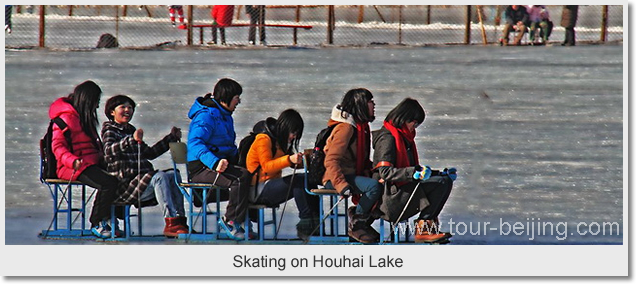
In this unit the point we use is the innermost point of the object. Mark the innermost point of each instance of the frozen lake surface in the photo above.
(547, 146)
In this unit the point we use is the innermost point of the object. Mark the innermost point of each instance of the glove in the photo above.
(423, 174)
(451, 173)
(346, 191)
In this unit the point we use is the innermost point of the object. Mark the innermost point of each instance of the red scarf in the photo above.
(400, 135)
(362, 151)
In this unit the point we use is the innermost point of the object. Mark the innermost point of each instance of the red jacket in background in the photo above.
(84, 146)
(222, 14)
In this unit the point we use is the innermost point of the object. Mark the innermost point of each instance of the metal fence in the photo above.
(80, 27)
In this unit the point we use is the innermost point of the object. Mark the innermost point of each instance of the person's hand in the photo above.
(77, 164)
(296, 158)
(423, 174)
(451, 173)
(175, 131)
(346, 192)
(222, 165)
(139, 135)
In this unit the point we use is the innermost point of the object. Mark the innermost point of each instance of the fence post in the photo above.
(360, 14)
(428, 14)
(70, 10)
(297, 20)
(42, 26)
(604, 24)
(189, 39)
(400, 24)
(467, 34)
(117, 22)
(330, 23)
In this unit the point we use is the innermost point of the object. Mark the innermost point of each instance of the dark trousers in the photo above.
(277, 191)
(238, 180)
(222, 35)
(569, 36)
(257, 17)
(106, 186)
(437, 190)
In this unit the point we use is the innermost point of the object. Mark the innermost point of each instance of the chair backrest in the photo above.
(179, 152)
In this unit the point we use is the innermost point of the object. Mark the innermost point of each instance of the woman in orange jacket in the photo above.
(270, 187)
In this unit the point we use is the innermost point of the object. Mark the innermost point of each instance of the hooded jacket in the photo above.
(85, 147)
(340, 149)
(211, 136)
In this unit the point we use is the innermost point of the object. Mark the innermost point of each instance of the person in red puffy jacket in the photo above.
(221, 17)
(82, 160)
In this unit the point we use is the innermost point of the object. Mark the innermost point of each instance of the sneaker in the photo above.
(118, 233)
(251, 234)
(173, 24)
(102, 230)
(232, 230)
(183, 27)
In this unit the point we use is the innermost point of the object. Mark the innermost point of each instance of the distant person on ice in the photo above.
(83, 159)
(257, 18)
(7, 18)
(516, 20)
(172, 9)
(221, 17)
(396, 164)
(540, 24)
(139, 183)
(568, 21)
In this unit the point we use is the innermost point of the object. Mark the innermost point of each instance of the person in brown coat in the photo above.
(568, 21)
(347, 164)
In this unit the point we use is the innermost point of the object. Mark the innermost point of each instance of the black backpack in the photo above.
(48, 163)
(316, 165)
(262, 126)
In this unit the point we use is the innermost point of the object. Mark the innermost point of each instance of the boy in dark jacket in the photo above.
(517, 19)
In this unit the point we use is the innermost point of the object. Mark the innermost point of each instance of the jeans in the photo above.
(164, 186)
(277, 191)
(370, 189)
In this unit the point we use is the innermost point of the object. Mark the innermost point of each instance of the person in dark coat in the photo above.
(568, 21)
(396, 165)
(7, 18)
(517, 19)
(257, 17)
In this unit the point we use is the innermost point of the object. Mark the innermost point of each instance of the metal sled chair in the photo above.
(261, 221)
(64, 203)
(334, 217)
(178, 152)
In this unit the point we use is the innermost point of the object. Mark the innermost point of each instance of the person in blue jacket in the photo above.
(212, 153)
